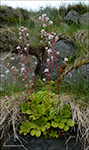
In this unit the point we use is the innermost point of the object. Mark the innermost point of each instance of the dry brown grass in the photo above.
(80, 114)
(10, 111)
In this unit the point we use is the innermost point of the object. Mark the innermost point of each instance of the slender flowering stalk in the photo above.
(24, 70)
(13, 68)
(51, 38)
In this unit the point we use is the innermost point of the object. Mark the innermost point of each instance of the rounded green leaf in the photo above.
(33, 132)
(70, 122)
(64, 120)
(43, 128)
(66, 127)
(54, 124)
(61, 125)
(38, 133)
(47, 125)
(29, 112)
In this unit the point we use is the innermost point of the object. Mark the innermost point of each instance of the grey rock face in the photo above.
(65, 49)
(76, 74)
(14, 59)
(72, 17)
(84, 18)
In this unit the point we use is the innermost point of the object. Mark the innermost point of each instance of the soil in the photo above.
(41, 143)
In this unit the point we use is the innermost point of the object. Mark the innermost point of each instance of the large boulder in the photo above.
(78, 74)
(84, 18)
(66, 49)
(72, 17)
(12, 59)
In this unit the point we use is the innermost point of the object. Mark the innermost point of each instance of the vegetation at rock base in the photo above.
(11, 20)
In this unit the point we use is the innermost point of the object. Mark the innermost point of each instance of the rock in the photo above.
(72, 17)
(12, 59)
(84, 18)
(80, 73)
(66, 49)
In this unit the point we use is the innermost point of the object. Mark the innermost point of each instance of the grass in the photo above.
(79, 88)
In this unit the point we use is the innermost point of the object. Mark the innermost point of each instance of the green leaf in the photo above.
(54, 124)
(29, 112)
(64, 120)
(70, 122)
(33, 132)
(24, 107)
(56, 118)
(43, 128)
(32, 117)
(38, 133)
(65, 111)
(34, 126)
(42, 120)
(66, 127)
(47, 125)
(61, 125)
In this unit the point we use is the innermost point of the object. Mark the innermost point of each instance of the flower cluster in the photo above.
(23, 32)
(48, 39)
(23, 36)
(47, 36)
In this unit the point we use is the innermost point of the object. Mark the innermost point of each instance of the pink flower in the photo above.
(25, 48)
(23, 92)
(22, 27)
(8, 97)
(40, 18)
(56, 38)
(57, 53)
(46, 48)
(20, 33)
(21, 55)
(42, 31)
(25, 28)
(65, 59)
(43, 15)
(49, 51)
(27, 34)
(23, 79)
(27, 45)
(48, 60)
(44, 25)
(13, 68)
(49, 42)
(52, 58)
(46, 70)
(18, 47)
(20, 37)
(23, 71)
(32, 83)
(22, 30)
(47, 18)
(44, 79)
(50, 37)
(50, 22)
